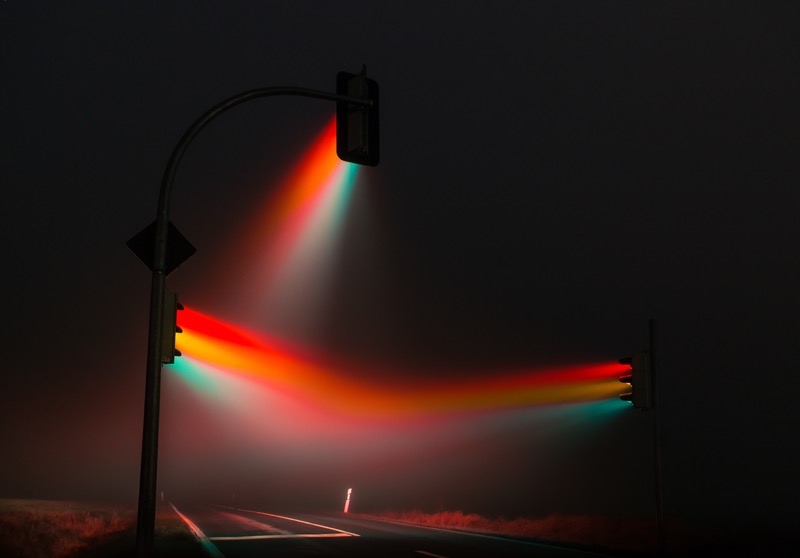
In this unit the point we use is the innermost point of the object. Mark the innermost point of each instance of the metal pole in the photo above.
(146, 513)
(657, 437)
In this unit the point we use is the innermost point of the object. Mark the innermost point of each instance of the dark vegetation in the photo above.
(66, 529)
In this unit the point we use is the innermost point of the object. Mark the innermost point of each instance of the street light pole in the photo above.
(145, 520)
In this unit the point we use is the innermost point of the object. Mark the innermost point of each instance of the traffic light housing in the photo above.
(639, 379)
(357, 125)
(170, 328)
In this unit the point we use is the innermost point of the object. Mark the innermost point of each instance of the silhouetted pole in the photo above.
(657, 437)
(146, 513)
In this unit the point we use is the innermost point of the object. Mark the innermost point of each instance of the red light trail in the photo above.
(281, 368)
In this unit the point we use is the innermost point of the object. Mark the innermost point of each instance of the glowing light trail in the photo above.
(283, 369)
(293, 239)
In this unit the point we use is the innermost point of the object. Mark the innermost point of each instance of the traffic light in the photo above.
(639, 379)
(357, 125)
(170, 327)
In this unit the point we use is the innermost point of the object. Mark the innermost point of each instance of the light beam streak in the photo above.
(284, 369)
(290, 244)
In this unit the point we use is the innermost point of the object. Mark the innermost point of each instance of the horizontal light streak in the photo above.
(286, 370)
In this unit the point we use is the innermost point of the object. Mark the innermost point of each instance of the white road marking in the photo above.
(431, 554)
(204, 540)
(287, 536)
(255, 525)
(336, 532)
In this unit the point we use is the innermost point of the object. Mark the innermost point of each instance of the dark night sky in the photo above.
(553, 174)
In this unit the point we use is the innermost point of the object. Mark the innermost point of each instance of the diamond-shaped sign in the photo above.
(179, 249)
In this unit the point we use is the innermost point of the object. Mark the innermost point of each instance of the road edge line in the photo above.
(208, 546)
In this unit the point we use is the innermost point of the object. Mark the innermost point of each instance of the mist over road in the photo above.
(238, 533)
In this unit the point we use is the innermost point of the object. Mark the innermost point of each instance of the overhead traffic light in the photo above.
(639, 379)
(170, 327)
(357, 125)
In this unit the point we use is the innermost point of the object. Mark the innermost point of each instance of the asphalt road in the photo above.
(237, 533)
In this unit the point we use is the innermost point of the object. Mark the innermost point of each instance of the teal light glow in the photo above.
(197, 375)
(341, 193)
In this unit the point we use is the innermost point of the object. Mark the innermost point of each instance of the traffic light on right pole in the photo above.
(357, 124)
(638, 377)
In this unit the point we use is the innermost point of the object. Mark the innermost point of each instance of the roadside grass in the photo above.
(69, 529)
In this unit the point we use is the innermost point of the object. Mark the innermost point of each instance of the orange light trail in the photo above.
(285, 370)
(283, 256)
(291, 210)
